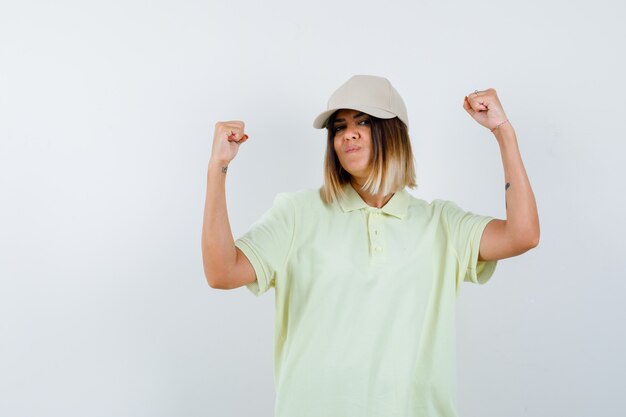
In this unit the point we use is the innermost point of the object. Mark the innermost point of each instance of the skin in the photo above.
(502, 238)
(519, 232)
(227, 267)
(352, 128)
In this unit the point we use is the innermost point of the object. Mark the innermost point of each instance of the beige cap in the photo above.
(368, 93)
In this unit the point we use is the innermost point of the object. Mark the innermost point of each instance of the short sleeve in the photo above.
(268, 242)
(465, 230)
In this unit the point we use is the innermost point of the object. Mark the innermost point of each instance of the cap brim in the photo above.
(320, 121)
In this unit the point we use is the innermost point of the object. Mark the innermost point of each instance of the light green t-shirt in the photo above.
(365, 301)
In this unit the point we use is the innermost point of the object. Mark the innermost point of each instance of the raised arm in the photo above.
(225, 266)
(520, 231)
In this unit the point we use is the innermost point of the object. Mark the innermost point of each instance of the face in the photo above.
(353, 142)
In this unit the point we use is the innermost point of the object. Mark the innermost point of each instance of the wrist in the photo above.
(218, 165)
(503, 129)
(499, 125)
(218, 162)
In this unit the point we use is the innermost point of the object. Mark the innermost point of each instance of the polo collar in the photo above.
(396, 206)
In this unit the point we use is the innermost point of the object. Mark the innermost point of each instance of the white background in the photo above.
(106, 121)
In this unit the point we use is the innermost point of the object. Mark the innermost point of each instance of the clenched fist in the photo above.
(227, 138)
(485, 108)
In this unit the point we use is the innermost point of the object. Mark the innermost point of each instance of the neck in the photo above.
(372, 200)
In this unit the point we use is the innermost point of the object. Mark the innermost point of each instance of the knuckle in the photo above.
(237, 124)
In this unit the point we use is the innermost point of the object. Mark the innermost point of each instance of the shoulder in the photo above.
(442, 205)
(307, 199)
(448, 210)
(302, 200)
(422, 206)
(445, 205)
(301, 196)
(437, 210)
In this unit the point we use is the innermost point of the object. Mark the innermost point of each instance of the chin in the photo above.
(358, 168)
(357, 172)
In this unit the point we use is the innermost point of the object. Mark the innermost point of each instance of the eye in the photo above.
(366, 121)
(336, 128)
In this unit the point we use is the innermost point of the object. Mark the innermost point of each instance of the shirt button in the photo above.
(378, 249)
(375, 232)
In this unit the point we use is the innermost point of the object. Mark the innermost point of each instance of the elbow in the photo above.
(529, 243)
(534, 242)
(211, 274)
(216, 270)
(213, 283)
(526, 238)
(217, 278)
(213, 278)
(221, 284)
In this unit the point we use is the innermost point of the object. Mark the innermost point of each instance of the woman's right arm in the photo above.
(225, 266)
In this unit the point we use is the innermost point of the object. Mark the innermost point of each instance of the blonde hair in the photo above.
(392, 160)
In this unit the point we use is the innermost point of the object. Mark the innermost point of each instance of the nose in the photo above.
(351, 132)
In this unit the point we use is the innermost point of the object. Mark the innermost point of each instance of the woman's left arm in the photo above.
(520, 231)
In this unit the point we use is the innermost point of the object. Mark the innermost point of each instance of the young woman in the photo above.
(365, 275)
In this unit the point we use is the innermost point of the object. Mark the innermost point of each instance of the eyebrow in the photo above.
(354, 117)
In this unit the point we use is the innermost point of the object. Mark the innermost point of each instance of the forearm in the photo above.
(218, 246)
(522, 219)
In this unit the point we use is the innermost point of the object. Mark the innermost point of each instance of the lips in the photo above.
(352, 149)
